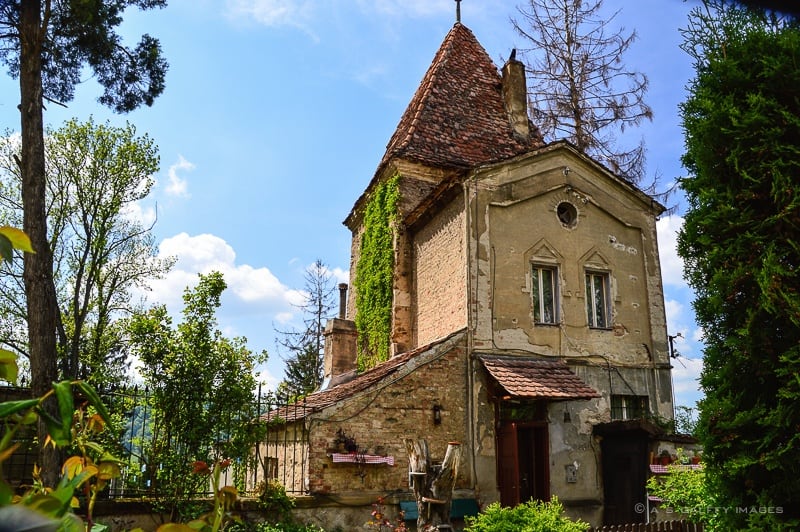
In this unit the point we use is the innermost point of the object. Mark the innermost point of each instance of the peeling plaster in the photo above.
(619, 246)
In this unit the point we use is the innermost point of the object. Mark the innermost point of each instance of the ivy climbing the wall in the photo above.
(373, 282)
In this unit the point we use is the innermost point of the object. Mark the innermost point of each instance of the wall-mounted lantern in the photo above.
(437, 414)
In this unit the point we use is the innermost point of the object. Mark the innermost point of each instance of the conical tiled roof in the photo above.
(457, 118)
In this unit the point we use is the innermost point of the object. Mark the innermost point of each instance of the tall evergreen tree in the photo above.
(579, 87)
(741, 247)
(303, 372)
(46, 44)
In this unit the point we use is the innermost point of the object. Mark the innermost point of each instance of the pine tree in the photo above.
(303, 373)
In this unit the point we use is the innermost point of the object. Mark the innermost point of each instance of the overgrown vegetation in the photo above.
(202, 385)
(374, 271)
(532, 516)
(96, 175)
(90, 468)
(684, 491)
(740, 247)
(49, 46)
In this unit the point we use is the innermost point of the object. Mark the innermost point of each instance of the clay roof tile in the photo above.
(457, 118)
(536, 378)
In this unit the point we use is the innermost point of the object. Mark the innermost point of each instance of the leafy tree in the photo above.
(740, 247)
(46, 45)
(685, 420)
(303, 372)
(95, 175)
(579, 86)
(203, 386)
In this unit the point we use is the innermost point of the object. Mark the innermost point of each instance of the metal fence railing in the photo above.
(279, 452)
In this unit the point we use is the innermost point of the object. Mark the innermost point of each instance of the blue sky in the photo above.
(277, 112)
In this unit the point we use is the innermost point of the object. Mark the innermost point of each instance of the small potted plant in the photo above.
(664, 458)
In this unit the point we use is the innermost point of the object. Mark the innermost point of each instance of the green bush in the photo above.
(686, 491)
(532, 516)
(269, 527)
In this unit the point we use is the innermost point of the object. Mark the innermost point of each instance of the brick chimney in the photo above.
(339, 363)
(515, 97)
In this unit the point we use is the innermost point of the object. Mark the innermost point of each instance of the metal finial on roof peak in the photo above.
(458, 11)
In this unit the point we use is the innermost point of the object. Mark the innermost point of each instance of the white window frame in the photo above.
(628, 406)
(538, 288)
(591, 300)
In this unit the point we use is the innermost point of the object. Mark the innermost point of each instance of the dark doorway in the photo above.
(624, 477)
(522, 462)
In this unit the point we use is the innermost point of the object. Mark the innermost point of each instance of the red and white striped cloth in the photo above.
(362, 458)
(656, 468)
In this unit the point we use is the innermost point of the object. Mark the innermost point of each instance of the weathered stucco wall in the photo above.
(440, 274)
(515, 222)
(518, 225)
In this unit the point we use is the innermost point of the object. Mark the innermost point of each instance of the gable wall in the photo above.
(513, 213)
(614, 233)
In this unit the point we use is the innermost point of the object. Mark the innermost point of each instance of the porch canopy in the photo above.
(536, 378)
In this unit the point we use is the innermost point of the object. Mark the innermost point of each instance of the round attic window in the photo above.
(567, 214)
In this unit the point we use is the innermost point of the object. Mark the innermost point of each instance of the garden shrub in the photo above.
(685, 491)
(532, 516)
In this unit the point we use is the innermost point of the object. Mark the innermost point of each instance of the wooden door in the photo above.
(624, 476)
(523, 462)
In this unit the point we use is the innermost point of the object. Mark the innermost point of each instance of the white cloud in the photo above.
(671, 264)
(675, 312)
(271, 13)
(685, 375)
(255, 288)
(178, 186)
(137, 212)
(267, 379)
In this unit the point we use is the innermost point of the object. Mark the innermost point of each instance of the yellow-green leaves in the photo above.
(8, 366)
(12, 238)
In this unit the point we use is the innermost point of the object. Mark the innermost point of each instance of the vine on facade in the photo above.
(374, 270)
